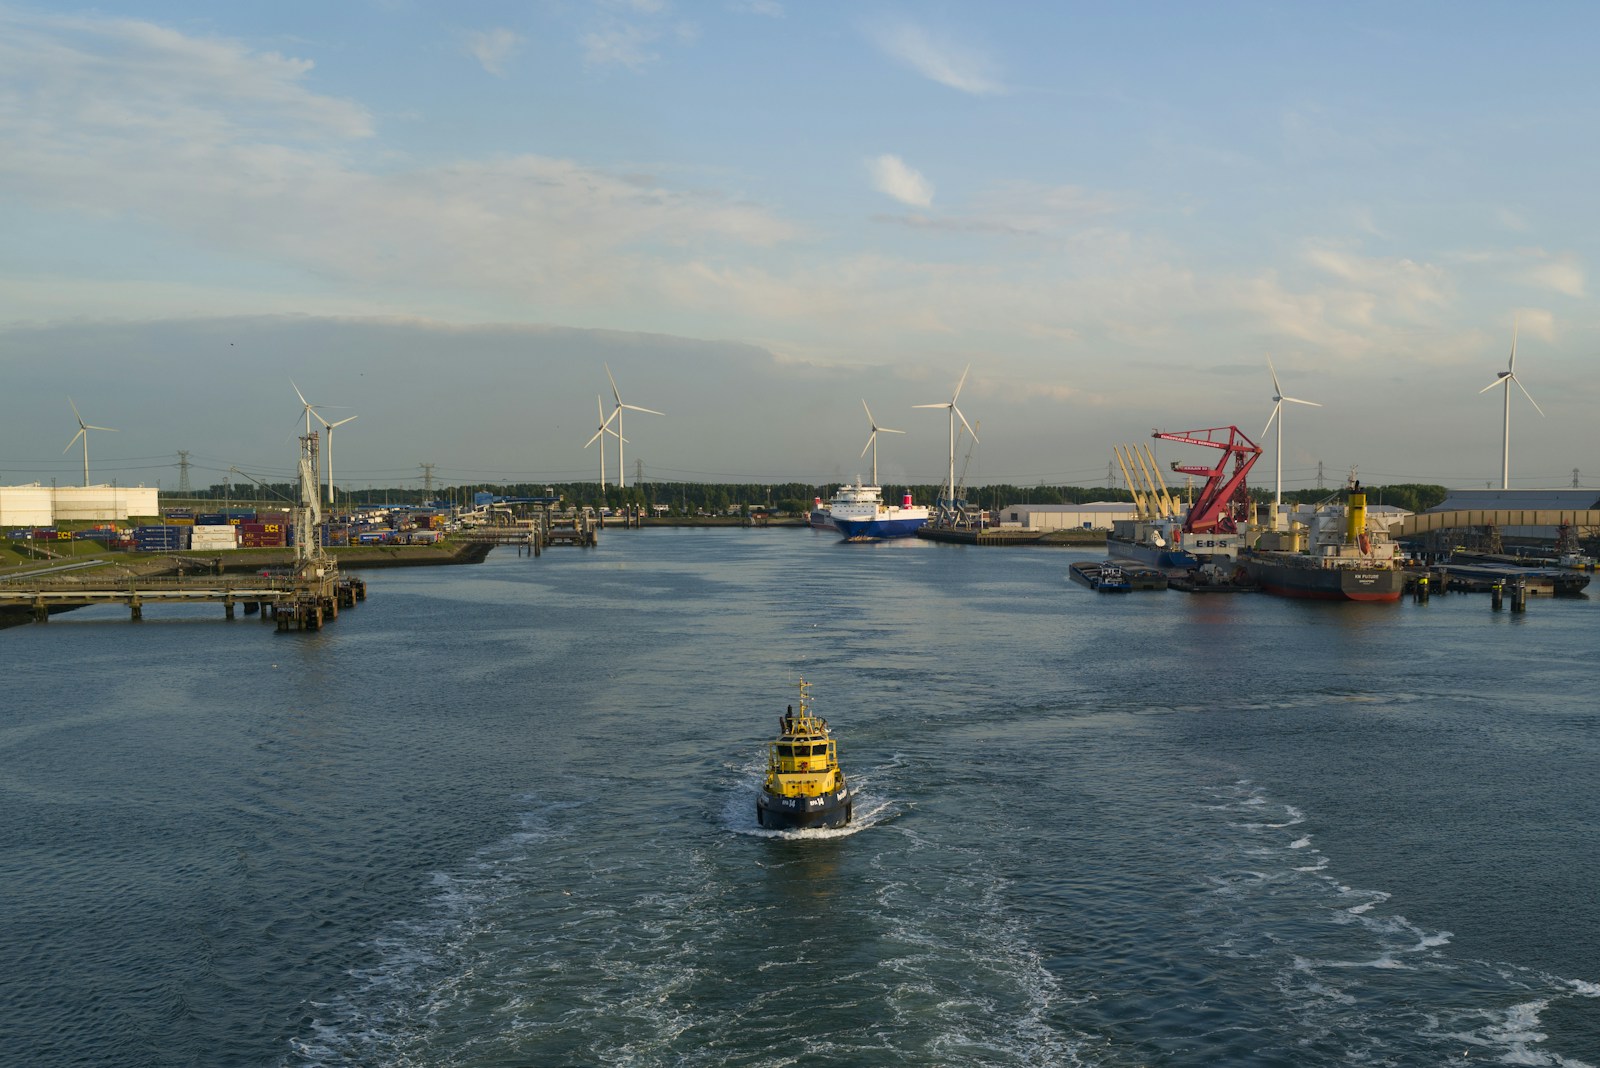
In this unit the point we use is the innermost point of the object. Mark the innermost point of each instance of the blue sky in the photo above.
(449, 218)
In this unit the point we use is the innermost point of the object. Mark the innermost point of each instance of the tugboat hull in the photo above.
(797, 813)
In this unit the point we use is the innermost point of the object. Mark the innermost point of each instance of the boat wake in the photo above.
(737, 814)
(1335, 952)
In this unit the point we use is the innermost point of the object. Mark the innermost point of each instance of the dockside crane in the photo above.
(1224, 502)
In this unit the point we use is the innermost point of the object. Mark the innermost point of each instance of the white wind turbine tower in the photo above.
(311, 410)
(1505, 378)
(1277, 413)
(83, 432)
(616, 413)
(599, 435)
(955, 413)
(329, 426)
(872, 440)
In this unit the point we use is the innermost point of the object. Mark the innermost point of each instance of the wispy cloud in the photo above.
(492, 48)
(228, 147)
(943, 60)
(1563, 274)
(891, 176)
(770, 8)
(620, 44)
(1405, 286)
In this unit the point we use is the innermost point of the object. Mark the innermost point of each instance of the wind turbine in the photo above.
(616, 413)
(83, 432)
(872, 440)
(955, 413)
(599, 435)
(329, 426)
(1504, 378)
(1277, 413)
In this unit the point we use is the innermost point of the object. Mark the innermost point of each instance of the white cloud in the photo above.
(1563, 274)
(493, 47)
(944, 61)
(891, 176)
(81, 78)
(1403, 286)
(212, 143)
(619, 44)
(770, 8)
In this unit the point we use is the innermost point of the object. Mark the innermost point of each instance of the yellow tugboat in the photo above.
(804, 786)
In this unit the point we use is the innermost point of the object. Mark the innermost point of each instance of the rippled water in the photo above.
(504, 815)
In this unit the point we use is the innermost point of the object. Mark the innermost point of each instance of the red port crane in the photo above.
(1224, 502)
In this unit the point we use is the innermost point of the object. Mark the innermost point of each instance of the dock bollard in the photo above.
(1519, 596)
(1495, 595)
(1420, 590)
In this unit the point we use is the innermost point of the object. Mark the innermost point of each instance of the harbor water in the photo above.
(504, 814)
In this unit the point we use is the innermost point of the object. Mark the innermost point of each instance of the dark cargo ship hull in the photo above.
(1325, 583)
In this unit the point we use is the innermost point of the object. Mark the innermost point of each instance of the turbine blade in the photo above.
(636, 408)
(959, 384)
(1297, 400)
(1277, 390)
(297, 393)
(342, 422)
(966, 424)
(591, 441)
(886, 430)
(946, 404)
(75, 414)
(114, 430)
(74, 440)
(1271, 417)
(871, 420)
(614, 392)
(1501, 381)
(1525, 393)
(1512, 365)
(870, 439)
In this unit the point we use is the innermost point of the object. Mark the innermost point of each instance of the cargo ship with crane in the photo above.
(1331, 552)
(1212, 529)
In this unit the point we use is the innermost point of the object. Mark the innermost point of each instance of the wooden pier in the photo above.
(292, 602)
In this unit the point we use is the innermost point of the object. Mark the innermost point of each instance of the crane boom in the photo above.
(1224, 501)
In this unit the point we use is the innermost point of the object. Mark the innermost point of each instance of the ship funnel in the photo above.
(905, 502)
(1356, 512)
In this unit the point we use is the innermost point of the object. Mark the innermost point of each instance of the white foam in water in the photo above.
(1331, 981)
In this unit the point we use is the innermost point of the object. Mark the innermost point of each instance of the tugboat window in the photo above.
(819, 750)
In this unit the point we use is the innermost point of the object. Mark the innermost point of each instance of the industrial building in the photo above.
(1521, 500)
(45, 506)
(1097, 515)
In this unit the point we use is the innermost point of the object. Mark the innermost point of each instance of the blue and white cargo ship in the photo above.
(859, 514)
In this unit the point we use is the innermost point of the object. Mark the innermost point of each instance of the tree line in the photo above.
(794, 498)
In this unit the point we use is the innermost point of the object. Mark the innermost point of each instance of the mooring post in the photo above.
(1496, 594)
(1519, 596)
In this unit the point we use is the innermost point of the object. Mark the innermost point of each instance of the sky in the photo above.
(449, 221)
